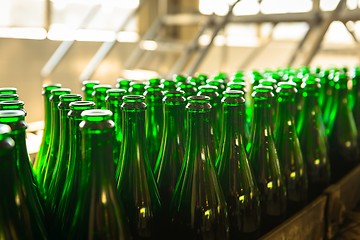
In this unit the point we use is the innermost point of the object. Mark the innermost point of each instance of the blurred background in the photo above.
(68, 41)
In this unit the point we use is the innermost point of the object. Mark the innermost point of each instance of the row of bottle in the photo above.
(196, 186)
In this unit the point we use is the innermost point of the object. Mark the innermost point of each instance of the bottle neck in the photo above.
(64, 125)
(262, 116)
(198, 133)
(47, 114)
(174, 116)
(98, 157)
(233, 123)
(18, 134)
(134, 127)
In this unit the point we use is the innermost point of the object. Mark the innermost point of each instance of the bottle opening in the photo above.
(8, 90)
(70, 97)
(134, 98)
(9, 116)
(60, 91)
(81, 105)
(96, 115)
(101, 88)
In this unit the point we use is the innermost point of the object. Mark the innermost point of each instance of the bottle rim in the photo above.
(11, 116)
(96, 115)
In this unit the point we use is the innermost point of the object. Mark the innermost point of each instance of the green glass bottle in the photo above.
(88, 88)
(198, 206)
(17, 176)
(171, 154)
(154, 82)
(215, 117)
(113, 103)
(343, 147)
(58, 177)
(264, 160)
(137, 88)
(241, 86)
(356, 102)
(135, 179)
(8, 97)
(202, 78)
(178, 78)
(289, 150)
(99, 95)
(234, 172)
(8, 90)
(167, 84)
(313, 139)
(12, 105)
(196, 80)
(123, 84)
(44, 146)
(219, 83)
(188, 88)
(331, 101)
(67, 205)
(99, 212)
(154, 121)
(44, 174)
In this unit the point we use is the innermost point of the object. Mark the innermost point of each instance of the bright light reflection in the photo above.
(23, 33)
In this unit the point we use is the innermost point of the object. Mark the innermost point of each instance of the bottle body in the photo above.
(198, 205)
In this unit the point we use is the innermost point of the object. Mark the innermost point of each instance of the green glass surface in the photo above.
(331, 101)
(289, 150)
(356, 102)
(235, 174)
(172, 149)
(44, 146)
(58, 178)
(123, 84)
(88, 88)
(21, 194)
(178, 78)
(188, 88)
(12, 105)
(168, 84)
(154, 122)
(198, 200)
(7, 97)
(215, 117)
(343, 148)
(135, 179)
(264, 160)
(45, 173)
(8, 90)
(137, 88)
(67, 204)
(313, 139)
(99, 95)
(154, 82)
(198, 81)
(113, 103)
(99, 213)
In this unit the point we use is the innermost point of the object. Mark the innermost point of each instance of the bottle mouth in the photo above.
(8, 90)
(262, 93)
(90, 83)
(233, 97)
(60, 91)
(101, 88)
(48, 87)
(81, 105)
(70, 97)
(133, 102)
(286, 88)
(96, 115)
(12, 103)
(198, 104)
(174, 97)
(11, 116)
(4, 97)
